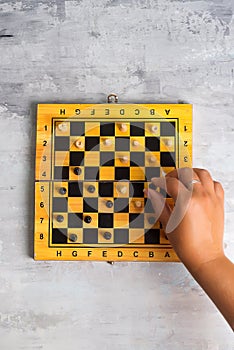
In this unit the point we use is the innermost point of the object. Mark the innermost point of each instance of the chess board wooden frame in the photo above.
(46, 115)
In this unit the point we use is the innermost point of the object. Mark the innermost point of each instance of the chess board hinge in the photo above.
(112, 98)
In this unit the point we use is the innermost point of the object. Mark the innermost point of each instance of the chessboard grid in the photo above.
(134, 234)
(156, 233)
(90, 165)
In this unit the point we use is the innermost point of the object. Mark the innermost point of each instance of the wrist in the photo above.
(205, 265)
(216, 278)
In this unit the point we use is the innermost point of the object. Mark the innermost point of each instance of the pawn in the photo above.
(77, 171)
(124, 159)
(60, 218)
(168, 142)
(91, 189)
(107, 142)
(88, 219)
(123, 189)
(135, 143)
(154, 129)
(123, 127)
(62, 190)
(79, 144)
(138, 204)
(73, 237)
(109, 204)
(152, 159)
(151, 220)
(107, 235)
(62, 127)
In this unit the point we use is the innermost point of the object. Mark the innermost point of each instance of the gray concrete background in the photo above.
(79, 51)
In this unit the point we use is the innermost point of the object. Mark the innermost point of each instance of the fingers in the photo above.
(170, 184)
(184, 175)
(160, 206)
(206, 179)
(219, 190)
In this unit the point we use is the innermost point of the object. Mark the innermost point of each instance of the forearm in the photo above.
(217, 279)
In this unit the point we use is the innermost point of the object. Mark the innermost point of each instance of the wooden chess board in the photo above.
(93, 162)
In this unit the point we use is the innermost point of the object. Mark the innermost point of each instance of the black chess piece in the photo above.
(62, 190)
(60, 218)
(88, 219)
(77, 171)
(91, 189)
(73, 237)
(109, 204)
(151, 220)
(107, 235)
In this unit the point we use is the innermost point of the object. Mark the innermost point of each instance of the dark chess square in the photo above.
(137, 129)
(61, 172)
(122, 143)
(92, 143)
(75, 189)
(61, 143)
(105, 220)
(90, 236)
(121, 236)
(59, 236)
(75, 220)
(106, 189)
(90, 205)
(122, 173)
(76, 158)
(107, 129)
(107, 159)
(77, 128)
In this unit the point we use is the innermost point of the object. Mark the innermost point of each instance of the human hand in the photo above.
(195, 225)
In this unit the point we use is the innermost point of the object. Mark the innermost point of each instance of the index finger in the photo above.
(171, 185)
(185, 175)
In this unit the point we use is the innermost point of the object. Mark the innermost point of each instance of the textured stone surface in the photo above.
(79, 51)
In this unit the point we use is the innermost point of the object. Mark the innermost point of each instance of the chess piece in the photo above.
(79, 144)
(123, 127)
(107, 235)
(151, 220)
(62, 127)
(62, 190)
(91, 189)
(123, 189)
(168, 142)
(135, 143)
(109, 204)
(88, 219)
(152, 159)
(124, 159)
(154, 129)
(73, 237)
(60, 218)
(107, 142)
(138, 204)
(77, 171)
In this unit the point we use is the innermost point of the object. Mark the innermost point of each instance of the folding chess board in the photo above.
(93, 163)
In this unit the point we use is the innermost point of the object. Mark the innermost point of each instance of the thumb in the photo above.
(161, 208)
